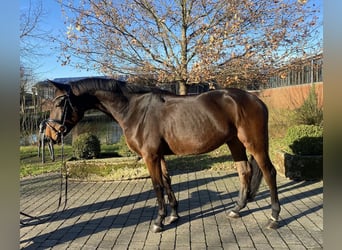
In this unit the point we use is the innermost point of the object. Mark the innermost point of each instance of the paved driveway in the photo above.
(118, 214)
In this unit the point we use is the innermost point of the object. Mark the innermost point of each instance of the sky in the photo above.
(48, 66)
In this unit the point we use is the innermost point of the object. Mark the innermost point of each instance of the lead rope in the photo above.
(66, 176)
(35, 220)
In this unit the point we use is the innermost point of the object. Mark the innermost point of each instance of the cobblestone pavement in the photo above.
(118, 214)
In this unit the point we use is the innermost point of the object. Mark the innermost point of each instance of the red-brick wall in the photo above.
(289, 97)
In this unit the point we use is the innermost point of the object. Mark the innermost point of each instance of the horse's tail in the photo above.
(255, 179)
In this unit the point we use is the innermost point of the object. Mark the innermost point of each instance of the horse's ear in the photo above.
(61, 86)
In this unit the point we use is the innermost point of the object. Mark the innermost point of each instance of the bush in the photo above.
(305, 139)
(86, 146)
(310, 113)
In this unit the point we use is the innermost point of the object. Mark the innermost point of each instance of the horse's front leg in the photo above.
(154, 167)
(244, 172)
(170, 194)
(51, 150)
(43, 148)
(39, 145)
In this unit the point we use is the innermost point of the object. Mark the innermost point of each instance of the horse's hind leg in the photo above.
(270, 176)
(238, 152)
(257, 145)
(171, 196)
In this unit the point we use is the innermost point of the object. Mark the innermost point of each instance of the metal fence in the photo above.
(308, 70)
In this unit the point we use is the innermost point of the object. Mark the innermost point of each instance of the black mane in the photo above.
(96, 83)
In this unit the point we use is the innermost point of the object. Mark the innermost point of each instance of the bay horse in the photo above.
(156, 123)
(42, 140)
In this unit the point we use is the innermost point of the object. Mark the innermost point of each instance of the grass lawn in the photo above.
(31, 164)
(111, 167)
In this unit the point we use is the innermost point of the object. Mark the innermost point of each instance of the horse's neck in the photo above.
(110, 104)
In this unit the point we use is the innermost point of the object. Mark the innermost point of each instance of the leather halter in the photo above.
(60, 122)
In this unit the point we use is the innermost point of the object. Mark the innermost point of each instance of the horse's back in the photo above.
(239, 105)
(201, 123)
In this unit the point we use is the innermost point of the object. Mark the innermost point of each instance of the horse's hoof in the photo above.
(156, 228)
(272, 224)
(233, 214)
(173, 218)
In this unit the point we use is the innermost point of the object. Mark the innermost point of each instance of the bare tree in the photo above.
(188, 41)
(32, 36)
(32, 40)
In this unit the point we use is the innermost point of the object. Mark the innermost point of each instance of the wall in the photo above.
(289, 97)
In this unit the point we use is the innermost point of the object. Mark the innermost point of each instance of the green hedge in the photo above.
(86, 146)
(305, 139)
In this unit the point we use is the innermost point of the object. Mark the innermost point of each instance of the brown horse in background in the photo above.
(42, 139)
(157, 123)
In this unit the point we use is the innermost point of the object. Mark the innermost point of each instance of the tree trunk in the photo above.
(183, 88)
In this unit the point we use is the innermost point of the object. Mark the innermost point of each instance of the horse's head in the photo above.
(64, 114)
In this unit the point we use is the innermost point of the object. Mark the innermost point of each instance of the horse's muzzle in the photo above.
(55, 131)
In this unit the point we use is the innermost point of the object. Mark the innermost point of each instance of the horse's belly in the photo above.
(196, 144)
(195, 129)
